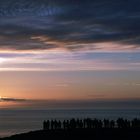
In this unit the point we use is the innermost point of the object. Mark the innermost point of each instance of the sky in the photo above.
(69, 50)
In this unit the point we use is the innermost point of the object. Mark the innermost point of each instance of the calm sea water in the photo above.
(18, 121)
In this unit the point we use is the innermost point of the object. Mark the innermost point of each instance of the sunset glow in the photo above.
(2, 60)
(50, 52)
(69, 67)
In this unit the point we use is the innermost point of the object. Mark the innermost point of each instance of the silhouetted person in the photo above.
(60, 125)
(112, 124)
(72, 123)
(84, 123)
(52, 124)
(44, 125)
(120, 123)
(67, 124)
(64, 124)
(90, 124)
(135, 123)
(106, 123)
(80, 124)
(100, 124)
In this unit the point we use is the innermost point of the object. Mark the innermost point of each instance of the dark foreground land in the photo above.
(121, 129)
(87, 134)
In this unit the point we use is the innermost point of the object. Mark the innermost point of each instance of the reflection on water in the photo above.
(8, 104)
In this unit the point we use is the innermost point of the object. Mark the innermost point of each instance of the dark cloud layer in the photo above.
(46, 24)
(11, 100)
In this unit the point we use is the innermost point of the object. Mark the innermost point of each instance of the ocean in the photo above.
(20, 121)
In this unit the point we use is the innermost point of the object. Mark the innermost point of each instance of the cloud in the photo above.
(96, 96)
(69, 61)
(4, 99)
(69, 24)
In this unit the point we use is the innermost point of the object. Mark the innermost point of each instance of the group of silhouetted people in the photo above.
(90, 124)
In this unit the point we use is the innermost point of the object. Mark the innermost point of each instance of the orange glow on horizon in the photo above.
(4, 105)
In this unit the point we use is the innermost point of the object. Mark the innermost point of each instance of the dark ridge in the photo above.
(70, 134)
